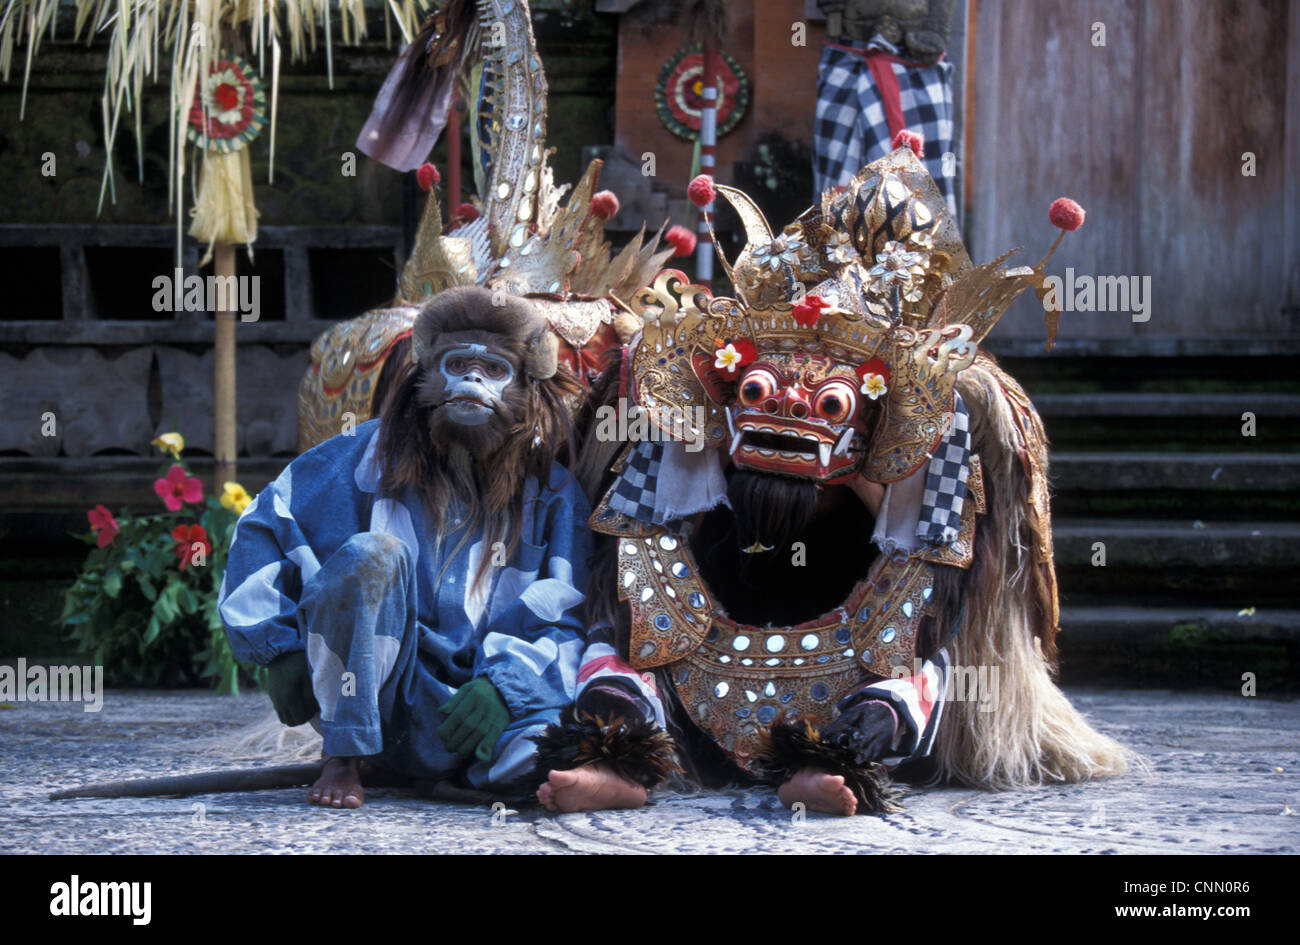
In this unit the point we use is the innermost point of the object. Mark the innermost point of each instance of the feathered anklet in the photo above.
(640, 751)
(789, 747)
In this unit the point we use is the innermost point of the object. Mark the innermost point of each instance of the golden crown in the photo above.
(875, 275)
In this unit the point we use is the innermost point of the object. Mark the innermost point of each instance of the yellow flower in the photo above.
(171, 443)
(235, 498)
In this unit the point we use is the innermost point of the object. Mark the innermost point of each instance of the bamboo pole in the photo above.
(224, 373)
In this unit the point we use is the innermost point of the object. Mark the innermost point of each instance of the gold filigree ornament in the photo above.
(736, 679)
(887, 257)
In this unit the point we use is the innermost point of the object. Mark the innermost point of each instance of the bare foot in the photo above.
(339, 784)
(591, 787)
(819, 791)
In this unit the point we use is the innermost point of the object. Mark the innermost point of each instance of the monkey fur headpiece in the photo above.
(468, 315)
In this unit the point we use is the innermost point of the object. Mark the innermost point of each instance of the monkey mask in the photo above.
(479, 354)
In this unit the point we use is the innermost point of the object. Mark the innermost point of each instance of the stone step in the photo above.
(1250, 653)
(1233, 564)
(1097, 471)
(1129, 404)
(1097, 626)
(1170, 422)
(1153, 543)
(1188, 486)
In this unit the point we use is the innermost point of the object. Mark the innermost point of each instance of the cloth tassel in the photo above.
(224, 212)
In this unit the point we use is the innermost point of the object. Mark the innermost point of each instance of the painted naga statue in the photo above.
(831, 560)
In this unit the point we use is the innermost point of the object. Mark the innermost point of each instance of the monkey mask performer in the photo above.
(856, 572)
(414, 582)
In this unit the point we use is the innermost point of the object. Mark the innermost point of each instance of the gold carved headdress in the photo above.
(875, 275)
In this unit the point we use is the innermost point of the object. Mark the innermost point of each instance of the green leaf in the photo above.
(153, 630)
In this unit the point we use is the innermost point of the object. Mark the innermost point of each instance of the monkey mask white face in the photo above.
(474, 381)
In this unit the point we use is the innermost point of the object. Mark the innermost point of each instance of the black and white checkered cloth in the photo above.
(945, 481)
(634, 490)
(851, 130)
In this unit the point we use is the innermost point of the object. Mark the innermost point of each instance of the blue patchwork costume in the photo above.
(321, 562)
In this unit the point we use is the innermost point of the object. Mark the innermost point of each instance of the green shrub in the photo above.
(144, 604)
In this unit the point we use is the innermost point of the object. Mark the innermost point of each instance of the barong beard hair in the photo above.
(770, 511)
(478, 471)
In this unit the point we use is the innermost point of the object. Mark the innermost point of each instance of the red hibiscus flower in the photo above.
(874, 366)
(734, 354)
(809, 310)
(102, 521)
(227, 96)
(187, 536)
(178, 488)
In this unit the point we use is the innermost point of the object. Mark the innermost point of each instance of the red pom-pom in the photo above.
(427, 176)
(910, 139)
(809, 310)
(1066, 214)
(604, 205)
(682, 240)
(464, 213)
(701, 191)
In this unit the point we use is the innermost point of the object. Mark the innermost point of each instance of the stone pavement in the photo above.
(1225, 769)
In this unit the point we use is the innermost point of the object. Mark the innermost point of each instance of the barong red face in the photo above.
(802, 416)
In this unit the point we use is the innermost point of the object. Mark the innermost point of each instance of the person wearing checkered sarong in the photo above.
(868, 90)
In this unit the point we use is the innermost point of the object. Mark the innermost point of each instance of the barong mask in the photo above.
(840, 352)
(801, 416)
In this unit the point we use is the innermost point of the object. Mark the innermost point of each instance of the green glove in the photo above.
(289, 686)
(476, 717)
